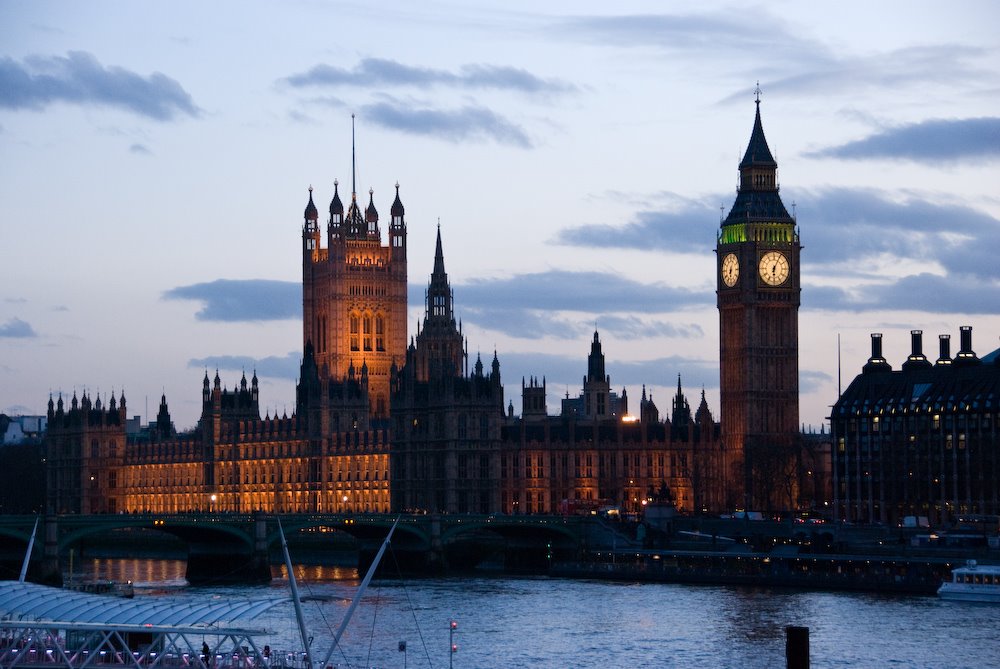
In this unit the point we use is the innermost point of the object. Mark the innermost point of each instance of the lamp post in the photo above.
(211, 506)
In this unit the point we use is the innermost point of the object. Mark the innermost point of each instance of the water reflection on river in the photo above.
(541, 622)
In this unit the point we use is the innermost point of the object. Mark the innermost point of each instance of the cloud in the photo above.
(720, 34)
(811, 381)
(940, 65)
(634, 327)
(852, 226)
(684, 225)
(275, 367)
(564, 290)
(932, 141)
(784, 61)
(15, 328)
(541, 305)
(78, 78)
(140, 149)
(373, 72)
(921, 292)
(243, 300)
(469, 123)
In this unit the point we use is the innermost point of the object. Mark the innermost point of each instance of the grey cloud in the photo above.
(784, 61)
(921, 292)
(931, 141)
(79, 78)
(838, 225)
(843, 224)
(15, 328)
(811, 380)
(523, 323)
(275, 367)
(243, 300)
(140, 149)
(371, 72)
(719, 34)
(631, 326)
(591, 292)
(929, 292)
(683, 226)
(940, 64)
(469, 123)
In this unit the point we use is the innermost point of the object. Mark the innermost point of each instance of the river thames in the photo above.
(546, 622)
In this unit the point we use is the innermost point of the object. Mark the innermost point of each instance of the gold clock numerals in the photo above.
(730, 270)
(773, 268)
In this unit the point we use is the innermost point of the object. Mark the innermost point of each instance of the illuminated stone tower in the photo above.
(354, 292)
(758, 299)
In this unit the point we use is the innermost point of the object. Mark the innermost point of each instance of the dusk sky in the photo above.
(155, 159)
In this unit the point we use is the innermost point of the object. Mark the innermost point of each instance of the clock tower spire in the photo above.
(758, 299)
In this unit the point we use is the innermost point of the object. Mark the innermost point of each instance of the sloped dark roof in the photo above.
(758, 152)
(756, 205)
(336, 206)
(397, 205)
(946, 388)
(311, 212)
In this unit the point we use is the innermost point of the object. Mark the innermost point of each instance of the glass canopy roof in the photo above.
(30, 601)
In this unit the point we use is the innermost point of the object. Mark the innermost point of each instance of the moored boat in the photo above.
(973, 583)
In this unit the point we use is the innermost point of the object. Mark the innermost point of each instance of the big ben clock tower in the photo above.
(758, 298)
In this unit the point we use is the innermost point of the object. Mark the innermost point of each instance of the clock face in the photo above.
(774, 268)
(730, 270)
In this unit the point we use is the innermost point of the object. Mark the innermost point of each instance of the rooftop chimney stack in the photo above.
(944, 346)
(966, 356)
(917, 359)
(876, 362)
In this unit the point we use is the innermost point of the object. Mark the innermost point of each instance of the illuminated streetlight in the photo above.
(212, 505)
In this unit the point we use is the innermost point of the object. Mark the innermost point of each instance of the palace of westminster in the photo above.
(385, 422)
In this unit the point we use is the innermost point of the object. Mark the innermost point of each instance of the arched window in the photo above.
(367, 329)
(355, 327)
(379, 332)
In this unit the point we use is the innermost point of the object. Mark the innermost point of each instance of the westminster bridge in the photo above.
(229, 547)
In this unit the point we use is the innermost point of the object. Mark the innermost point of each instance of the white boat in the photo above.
(973, 583)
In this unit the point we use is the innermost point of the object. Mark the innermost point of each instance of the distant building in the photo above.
(597, 401)
(18, 429)
(923, 440)
(573, 462)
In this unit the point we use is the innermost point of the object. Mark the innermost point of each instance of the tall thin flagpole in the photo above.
(838, 366)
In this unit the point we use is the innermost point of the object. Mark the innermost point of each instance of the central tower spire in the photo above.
(354, 171)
